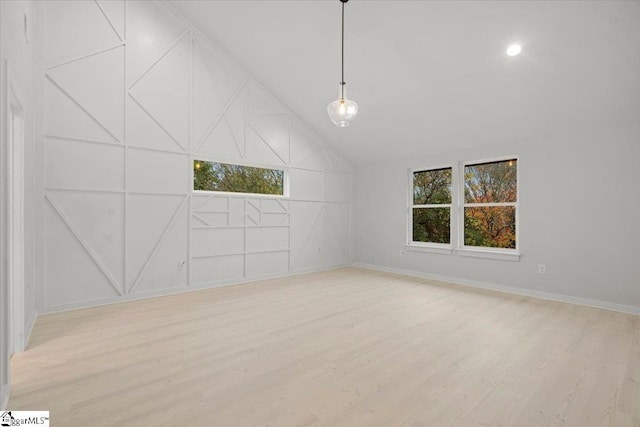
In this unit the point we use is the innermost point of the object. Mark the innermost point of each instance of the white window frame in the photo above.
(434, 247)
(456, 245)
(285, 184)
(480, 251)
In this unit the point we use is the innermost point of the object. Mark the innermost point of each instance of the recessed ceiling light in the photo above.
(514, 49)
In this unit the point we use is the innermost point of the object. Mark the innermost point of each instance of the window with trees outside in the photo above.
(431, 206)
(471, 209)
(213, 176)
(490, 204)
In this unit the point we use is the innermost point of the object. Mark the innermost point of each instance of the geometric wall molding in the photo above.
(226, 76)
(79, 28)
(207, 101)
(163, 92)
(274, 131)
(263, 104)
(66, 117)
(149, 219)
(96, 83)
(81, 165)
(128, 109)
(96, 221)
(258, 150)
(113, 10)
(89, 279)
(151, 30)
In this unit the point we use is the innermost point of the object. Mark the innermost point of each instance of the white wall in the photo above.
(579, 215)
(132, 94)
(17, 48)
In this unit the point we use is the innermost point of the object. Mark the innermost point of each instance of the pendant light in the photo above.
(342, 110)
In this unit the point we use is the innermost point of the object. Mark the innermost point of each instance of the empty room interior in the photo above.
(320, 213)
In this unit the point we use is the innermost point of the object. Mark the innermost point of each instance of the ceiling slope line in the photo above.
(157, 122)
(307, 238)
(178, 40)
(157, 245)
(108, 20)
(72, 99)
(105, 271)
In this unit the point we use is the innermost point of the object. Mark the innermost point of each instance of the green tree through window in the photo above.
(432, 206)
(213, 176)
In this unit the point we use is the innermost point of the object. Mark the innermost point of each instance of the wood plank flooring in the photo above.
(347, 347)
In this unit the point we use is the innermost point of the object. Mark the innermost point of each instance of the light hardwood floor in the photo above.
(347, 347)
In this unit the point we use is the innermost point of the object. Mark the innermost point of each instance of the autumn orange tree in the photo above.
(490, 226)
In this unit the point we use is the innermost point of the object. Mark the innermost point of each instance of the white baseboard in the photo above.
(607, 305)
(4, 397)
(178, 290)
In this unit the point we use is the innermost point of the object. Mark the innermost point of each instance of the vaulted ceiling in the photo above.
(433, 75)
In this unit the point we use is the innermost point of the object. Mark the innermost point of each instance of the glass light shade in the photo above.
(342, 110)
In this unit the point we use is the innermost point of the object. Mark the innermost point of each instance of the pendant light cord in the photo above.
(342, 83)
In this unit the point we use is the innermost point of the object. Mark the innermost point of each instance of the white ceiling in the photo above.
(433, 75)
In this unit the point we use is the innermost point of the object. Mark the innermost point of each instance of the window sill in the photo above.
(443, 249)
(476, 253)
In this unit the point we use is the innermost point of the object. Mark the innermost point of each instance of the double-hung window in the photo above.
(470, 209)
(490, 204)
(431, 207)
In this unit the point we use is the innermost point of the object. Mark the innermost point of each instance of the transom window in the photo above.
(213, 176)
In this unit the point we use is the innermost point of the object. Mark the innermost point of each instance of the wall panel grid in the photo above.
(133, 94)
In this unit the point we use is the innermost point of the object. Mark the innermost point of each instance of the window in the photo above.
(212, 176)
(470, 209)
(490, 204)
(431, 206)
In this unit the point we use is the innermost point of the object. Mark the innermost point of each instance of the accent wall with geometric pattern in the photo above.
(133, 95)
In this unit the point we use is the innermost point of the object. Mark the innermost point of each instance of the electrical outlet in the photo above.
(181, 265)
(542, 269)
